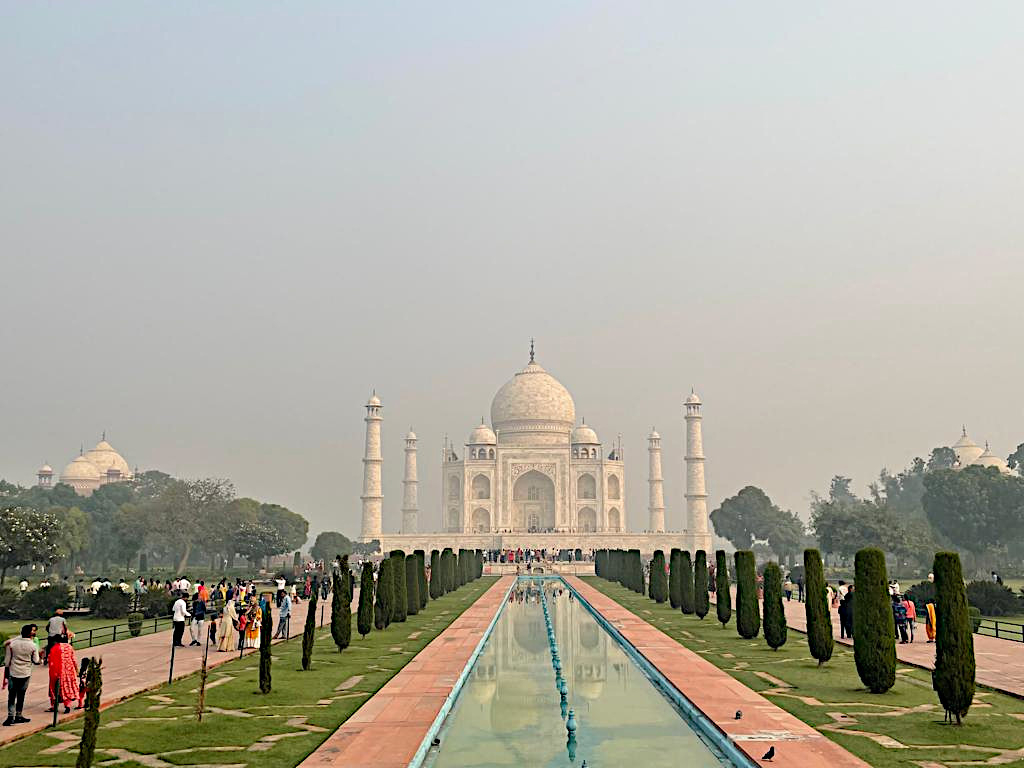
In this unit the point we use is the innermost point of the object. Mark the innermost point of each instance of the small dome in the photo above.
(654, 435)
(411, 435)
(46, 469)
(80, 469)
(585, 435)
(989, 459)
(374, 400)
(693, 399)
(967, 451)
(482, 435)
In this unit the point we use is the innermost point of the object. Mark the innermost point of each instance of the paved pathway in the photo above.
(1000, 663)
(388, 729)
(129, 667)
(718, 695)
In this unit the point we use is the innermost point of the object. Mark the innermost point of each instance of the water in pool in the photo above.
(509, 712)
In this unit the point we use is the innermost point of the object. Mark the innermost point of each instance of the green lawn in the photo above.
(903, 727)
(241, 726)
(86, 628)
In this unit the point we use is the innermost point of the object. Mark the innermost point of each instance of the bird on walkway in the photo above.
(769, 754)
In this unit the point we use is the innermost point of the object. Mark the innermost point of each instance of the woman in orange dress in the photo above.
(63, 675)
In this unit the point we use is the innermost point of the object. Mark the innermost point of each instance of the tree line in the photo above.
(154, 517)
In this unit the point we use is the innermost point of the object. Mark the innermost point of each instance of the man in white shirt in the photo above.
(179, 614)
(185, 585)
(24, 585)
(95, 586)
(19, 656)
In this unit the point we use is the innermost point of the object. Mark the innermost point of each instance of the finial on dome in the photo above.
(81, 449)
(531, 349)
(103, 436)
(963, 430)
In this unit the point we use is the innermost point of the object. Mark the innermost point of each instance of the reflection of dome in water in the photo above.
(519, 693)
(590, 689)
(483, 690)
(590, 636)
(529, 633)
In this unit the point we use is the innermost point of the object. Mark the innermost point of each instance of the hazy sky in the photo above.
(222, 225)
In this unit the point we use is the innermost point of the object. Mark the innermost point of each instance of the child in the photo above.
(83, 671)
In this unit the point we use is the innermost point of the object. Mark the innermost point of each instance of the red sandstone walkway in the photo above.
(129, 667)
(718, 695)
(1000, 663)
(388, 729)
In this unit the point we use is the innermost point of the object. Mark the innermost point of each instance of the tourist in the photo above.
(283, 617)
(800, 588)
(911, 609)
(787, 587)
(195, 629)
(179, 612)
(252, 627)
(83, 676)
(228, 625)
(56, 627)
(63, 675)
(929, 621)
(23, 585)
(185, 585)
(899, 614)
(203, 592)
(846, 615)
(79, 594)
(19, 656)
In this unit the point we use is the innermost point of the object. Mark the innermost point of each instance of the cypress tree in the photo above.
(659, 582)
(310, 629)
(953, 678)
(819, 621)
(774, 613)
(341, 607)
(599, 558)
(447, 582)
(266, 633)
(701, 602)
(94, 688)
(460, 571)
(435, 575)
(874, 630)
(479, 563)
(382, 605)
(400, 600)
(686, 596)
(421, 565)
(674, 587)
(638, 571)
(723, 597)
(453, 576)
(412, 586)
(364, 618)
(748, 615)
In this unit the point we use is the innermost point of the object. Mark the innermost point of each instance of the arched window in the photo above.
(614, 488)
(614, 520)
(454, 487)
(593, 453)
(490, 453)
(586, 487)
(587, 520)
(481, 487)
(575, 453)
(454, 523)
(533, 493)
(481, 520)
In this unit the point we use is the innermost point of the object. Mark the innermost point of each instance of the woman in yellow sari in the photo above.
(929, 623)
(227, 628)
(252, 628)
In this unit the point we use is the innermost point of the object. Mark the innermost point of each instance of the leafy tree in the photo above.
(27, 536)
(341, 606)
(254, 541)
(412, 586)
(74, 533)
(385, 594)
(723, 605)
(636, 571)
(266, 634)
(308, 632)
(659, 582)
(874, 648)
(328, 544)
(941, 458)
(400, 600)
(953, 677)
(180, 517)
(435, 575)
(744, 517)
(421, 565)
(774, 613)
(819, 621)
(364, 619)
(748, 615)
(675, 587)
(993, 599)
(687, 602)
(1016, 459)
(291, 526)
(701, 602)
(447, 571)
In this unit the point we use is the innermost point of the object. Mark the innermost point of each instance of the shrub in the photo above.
(400, 603)
(748, 615)
(920, 595)
(266, 634)
(953, 677)
(686, 601)
(40, 603)
(659, 582)
(8, 603)
(364, 618)
(819, 621)
(135, 624)
(774, 613)
(308, 631)
(975, 615)
(421, 565)
(94, 689)
(341, 607)
(723, 597)
(155, 601)
(874, 646)
(382, 604)
(435, 575)
(993, 599)
(110, 603)
(412, 586)
(447, 580)
(701, 602)
(674, 587)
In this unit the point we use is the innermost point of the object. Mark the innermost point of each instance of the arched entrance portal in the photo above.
(533, 502)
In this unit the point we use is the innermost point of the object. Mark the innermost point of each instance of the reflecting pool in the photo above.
(509, 713)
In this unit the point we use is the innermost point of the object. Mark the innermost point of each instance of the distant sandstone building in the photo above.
(90, 469)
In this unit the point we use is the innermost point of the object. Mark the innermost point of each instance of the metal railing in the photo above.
(1005, 630)
(87, 638)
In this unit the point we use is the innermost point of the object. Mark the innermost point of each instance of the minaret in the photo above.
(410, 503)
(657, 486)
(696, 492)
(372, 497)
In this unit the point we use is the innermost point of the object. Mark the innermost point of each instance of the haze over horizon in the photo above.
(224, 226)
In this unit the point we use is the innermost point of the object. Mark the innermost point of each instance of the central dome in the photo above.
(533, 401)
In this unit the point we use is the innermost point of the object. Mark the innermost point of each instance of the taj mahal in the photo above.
(534, 478)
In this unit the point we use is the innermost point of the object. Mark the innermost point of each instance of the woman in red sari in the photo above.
(63, 675)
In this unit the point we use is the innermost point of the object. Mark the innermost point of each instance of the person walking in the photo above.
(179, 612)
(911, 609)
(899, 614)
(19, 656)
(228, 625)
(929, 621)
(56, 627)
(195, 629)
(63, 675)
(800, 588)
(283, 616)
(846, 614)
